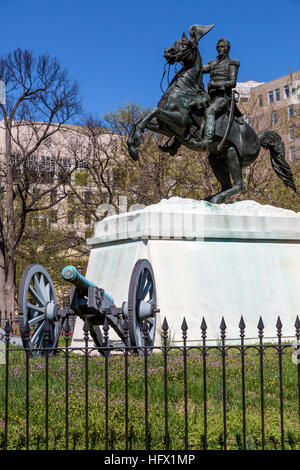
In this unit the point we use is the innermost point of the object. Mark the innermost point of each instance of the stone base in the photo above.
(209, 261)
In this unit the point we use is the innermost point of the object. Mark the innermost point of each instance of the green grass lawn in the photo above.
(156, 397)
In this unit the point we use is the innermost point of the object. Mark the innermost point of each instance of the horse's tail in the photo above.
(272, 141)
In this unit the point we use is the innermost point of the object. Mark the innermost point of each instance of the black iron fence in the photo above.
(205, 396)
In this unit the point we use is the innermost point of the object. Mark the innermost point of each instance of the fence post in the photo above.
(184, 329)
(145, 331)
(86, 358)
(106, 354)
(165, 328)
(67, 334)
(26, 339)
(7, 341)
(260, 327)
(204, 354)
(297, 327)
(127, 345)
(46, 342)
(279, 335)
(242, 327)
(223, 337)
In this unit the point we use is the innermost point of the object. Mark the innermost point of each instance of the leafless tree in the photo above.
(40, 100)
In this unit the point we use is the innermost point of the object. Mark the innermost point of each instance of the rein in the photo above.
(183, 66)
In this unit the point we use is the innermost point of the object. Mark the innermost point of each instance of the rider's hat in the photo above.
(197, 31)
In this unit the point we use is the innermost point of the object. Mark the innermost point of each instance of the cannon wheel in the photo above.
(37, 301)
(141, 298)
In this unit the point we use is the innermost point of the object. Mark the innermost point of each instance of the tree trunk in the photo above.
(2, 281)
(7, 260)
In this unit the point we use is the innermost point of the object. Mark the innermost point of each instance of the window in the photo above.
(277, 94)
(286, 91)
(16, 161)
(47, 164)
(274, 117)
(47, 143)
(290, 111)
(41, 221)
(260, 101)
(64, 170)
(291, 132)
(293, 90)
(81, 165)
(271, 96)
(32, 163)
(292, 154)
(47, 168)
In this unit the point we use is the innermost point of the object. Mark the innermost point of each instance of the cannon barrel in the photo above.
(71, 274)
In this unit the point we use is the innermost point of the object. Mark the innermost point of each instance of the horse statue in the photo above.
(180, 115)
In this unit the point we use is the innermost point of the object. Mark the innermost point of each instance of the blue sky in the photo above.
(115, 48)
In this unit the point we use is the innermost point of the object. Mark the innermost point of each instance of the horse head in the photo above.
(184, 49)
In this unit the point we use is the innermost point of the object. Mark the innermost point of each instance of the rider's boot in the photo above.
(209, 130)
(171, 149)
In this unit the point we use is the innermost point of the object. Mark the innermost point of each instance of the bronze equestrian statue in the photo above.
(210, 120)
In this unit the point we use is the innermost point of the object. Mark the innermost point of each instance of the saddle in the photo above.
(198, 118)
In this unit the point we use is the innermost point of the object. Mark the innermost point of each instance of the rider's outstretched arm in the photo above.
(207, 68)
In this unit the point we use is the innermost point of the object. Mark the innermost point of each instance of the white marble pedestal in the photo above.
(209, 260)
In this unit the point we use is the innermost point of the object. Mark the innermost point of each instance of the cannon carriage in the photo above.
(37, 304)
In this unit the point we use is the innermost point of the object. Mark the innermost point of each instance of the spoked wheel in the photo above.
(142, 306)
(37, 301)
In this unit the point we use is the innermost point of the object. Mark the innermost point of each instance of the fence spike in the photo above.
(260, 324)
(126, 331)
(67, 326)
(26, 332)
(242, 324)
(278, 324)
(125, 326)
(203, 325)
(165, 325)
(7, 328)
(223, 325)
(86, 326)
(145, 329)
(105, 325)
(105, 331)
(297, 323)
(184, 326)
(47, 333)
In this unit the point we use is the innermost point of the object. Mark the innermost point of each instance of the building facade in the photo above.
(274, 105)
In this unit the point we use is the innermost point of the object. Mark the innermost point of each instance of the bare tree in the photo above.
(107, 173)
(40, 100)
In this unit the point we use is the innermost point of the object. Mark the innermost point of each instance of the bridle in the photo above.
(176, 59)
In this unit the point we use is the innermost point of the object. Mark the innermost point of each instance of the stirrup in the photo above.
(171, 149)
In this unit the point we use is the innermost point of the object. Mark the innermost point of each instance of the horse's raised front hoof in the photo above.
(133, 152)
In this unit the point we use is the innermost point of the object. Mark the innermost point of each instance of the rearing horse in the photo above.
(186, 97)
